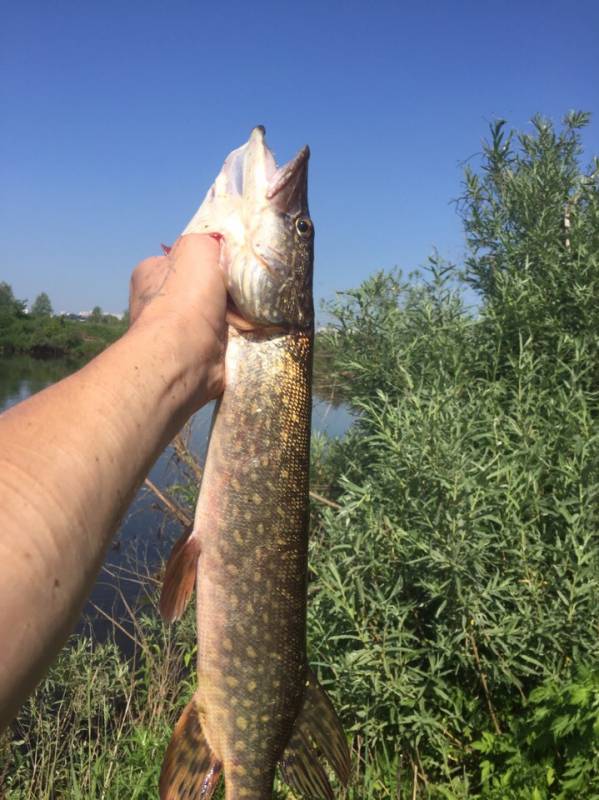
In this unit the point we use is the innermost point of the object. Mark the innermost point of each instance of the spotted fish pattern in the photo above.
(257, 706)
(257, 703)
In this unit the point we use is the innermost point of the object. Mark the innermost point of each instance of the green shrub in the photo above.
(531, 217)
(462, 569)
(552, 751)
(463, 566)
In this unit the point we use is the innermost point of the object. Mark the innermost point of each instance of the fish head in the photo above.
(267, 249)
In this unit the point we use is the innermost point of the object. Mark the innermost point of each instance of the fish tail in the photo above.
(190, 769)
(317, 730)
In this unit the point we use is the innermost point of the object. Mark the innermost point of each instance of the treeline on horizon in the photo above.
(42, 334)
(454, 579)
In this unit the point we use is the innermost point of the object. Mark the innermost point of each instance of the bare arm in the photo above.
(72, 457)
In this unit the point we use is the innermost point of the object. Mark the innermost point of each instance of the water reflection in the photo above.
(22, 376)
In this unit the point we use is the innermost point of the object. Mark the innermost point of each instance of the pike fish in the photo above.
(258, 705)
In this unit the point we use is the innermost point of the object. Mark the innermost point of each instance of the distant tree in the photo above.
(97, 314)
(125, 317)
(7, 297)
(42, 307)
(8, 303)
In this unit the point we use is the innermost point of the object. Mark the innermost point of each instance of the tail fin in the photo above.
(190, 769)
(317, 729)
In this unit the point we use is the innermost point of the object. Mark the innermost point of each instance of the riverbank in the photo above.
(99, 723)
(46, 337)
(78, 341)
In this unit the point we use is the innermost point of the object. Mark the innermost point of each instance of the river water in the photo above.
(146, 534)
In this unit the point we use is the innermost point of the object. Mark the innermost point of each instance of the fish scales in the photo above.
(258, 705)
(253, 567)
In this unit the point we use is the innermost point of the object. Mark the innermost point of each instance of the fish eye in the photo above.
(303, 226)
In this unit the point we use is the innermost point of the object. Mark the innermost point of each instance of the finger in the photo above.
(197, 247)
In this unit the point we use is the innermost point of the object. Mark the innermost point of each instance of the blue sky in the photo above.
(115, 118)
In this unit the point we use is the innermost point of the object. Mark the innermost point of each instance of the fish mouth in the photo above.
(252, 173)
(288, 187)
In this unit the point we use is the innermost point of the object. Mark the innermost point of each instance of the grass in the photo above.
(98, 725)
(453, 614)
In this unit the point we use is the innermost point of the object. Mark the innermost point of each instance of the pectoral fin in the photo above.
(190, 770)
(179, 577)
(317, 730)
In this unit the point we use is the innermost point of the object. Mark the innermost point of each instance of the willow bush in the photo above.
(462, 568)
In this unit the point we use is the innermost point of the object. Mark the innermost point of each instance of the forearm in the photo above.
(71, 459)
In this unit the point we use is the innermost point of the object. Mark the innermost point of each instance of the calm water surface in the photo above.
(146, 534)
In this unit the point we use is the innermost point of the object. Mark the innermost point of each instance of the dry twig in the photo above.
(172, 506)
(483, 680)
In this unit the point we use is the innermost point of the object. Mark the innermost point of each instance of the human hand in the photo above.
(183, 295)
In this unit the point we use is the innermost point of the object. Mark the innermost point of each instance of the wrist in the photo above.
(182, 363)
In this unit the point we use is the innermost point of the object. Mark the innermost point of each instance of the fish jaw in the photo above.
(261, 213)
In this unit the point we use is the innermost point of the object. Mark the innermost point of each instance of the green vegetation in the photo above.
(42, 335)
(453, 611)
(462, 570)
(42, 307)
(550, 752)
(9, 305)
(98, 725)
